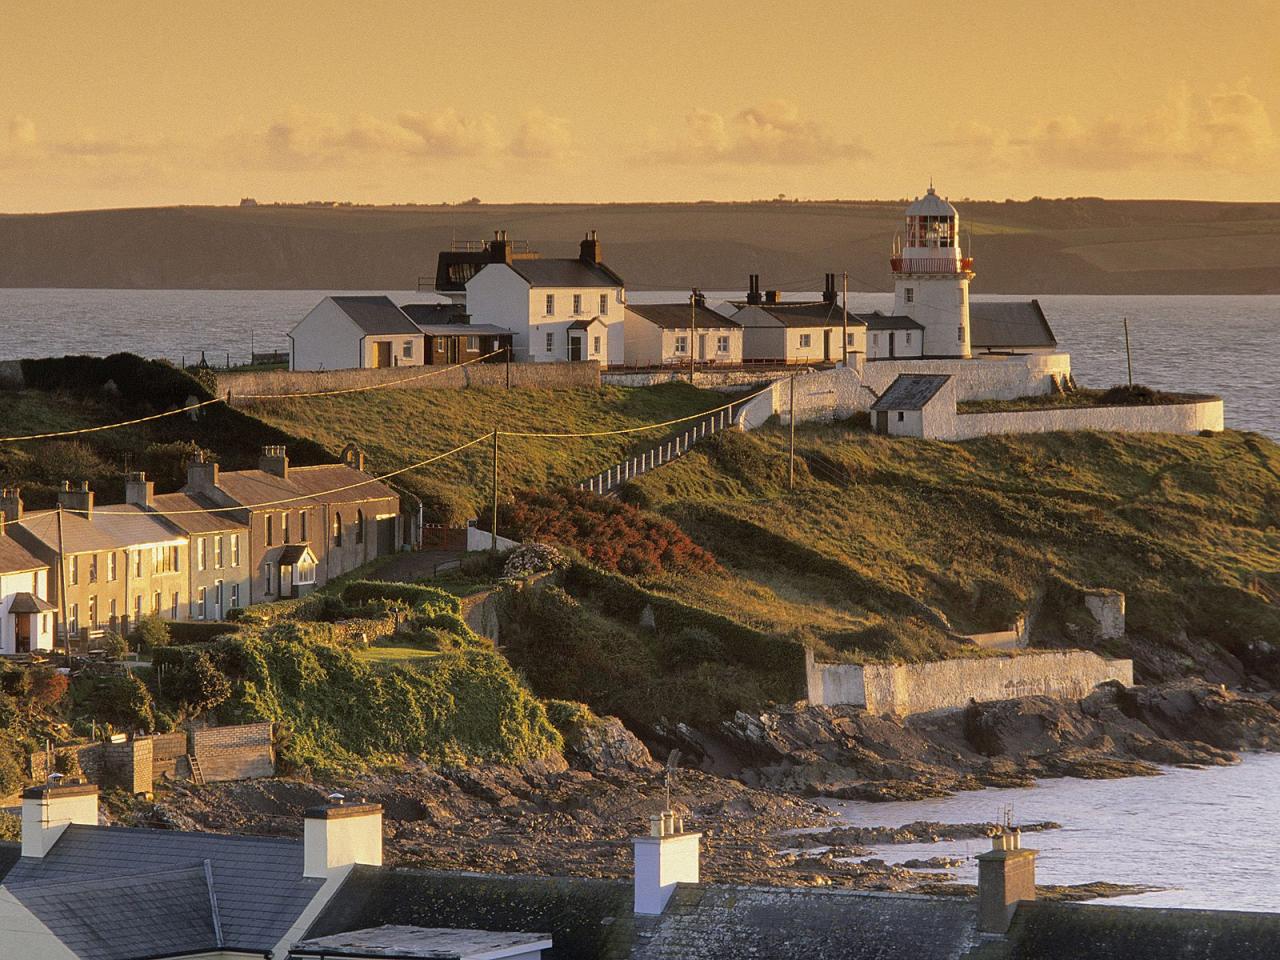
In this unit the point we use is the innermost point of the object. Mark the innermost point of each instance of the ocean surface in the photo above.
(1221, 344)
(1207, 836)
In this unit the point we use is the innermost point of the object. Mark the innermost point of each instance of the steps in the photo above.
(670, 449)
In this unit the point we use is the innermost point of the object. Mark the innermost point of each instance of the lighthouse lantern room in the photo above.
(931, 276)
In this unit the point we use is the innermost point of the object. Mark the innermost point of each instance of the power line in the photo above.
(369, 386)
(111, 426)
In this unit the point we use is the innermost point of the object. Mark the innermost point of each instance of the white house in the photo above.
(659, 334)
(892, 338)
(26, 618)
(556, 308)
(780, 331)
(344, 332)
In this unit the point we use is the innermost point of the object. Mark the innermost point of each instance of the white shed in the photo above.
(916, 405)
(345, 332)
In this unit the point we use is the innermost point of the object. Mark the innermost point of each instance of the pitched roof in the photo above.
(257, 882)
(911, 391)
(316, 481)
(29, 603)
(995, 324)
(179, 503)
(422, 943)
(880, 321)
(375, 315)
(110, 527)
(15, 558)
(675, 316)
(463, 330)
(421, 313)
(292, 553)
(556, 272)
(582, 323)
(815, 314)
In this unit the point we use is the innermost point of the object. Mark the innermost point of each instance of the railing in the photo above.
(930, 265)
(670, 449)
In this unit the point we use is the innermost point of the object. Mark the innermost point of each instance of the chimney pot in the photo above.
(274, 460)
(666, 857)
(139, 491)
(11, 503)
(1006, 877)
(78, 499)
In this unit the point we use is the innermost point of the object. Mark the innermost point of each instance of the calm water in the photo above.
(1227, 345)
(1207, 835)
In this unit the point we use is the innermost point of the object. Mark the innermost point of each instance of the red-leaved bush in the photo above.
(612, 534)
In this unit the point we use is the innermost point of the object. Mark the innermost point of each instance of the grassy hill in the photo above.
(1084, 245)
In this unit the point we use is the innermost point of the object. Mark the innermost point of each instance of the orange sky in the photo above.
(145, 103)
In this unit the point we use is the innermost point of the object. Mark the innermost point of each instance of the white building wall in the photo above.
(499, 295)
(417, 350)
(643, 341)
(325, 339)
(15, 583)
(905, 344)
(941, 305)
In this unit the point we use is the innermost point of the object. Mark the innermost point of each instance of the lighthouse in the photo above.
(931, 276)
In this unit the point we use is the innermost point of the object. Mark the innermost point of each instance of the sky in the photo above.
(142, 103)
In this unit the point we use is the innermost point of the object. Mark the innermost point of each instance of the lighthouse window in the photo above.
(909, 295)
(960, 334)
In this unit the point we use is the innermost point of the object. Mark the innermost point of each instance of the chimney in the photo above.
(699, 298)
(47, 811)
(78, 499)
(771, 296)
(11, 503)
(589, 249)
(500, 247)
(340, 834)
(829, 290)
(202, 475)
(139, 491)
(1006, 876)
(274, 460)
(665, 857)
(753, 289)
(353, 457)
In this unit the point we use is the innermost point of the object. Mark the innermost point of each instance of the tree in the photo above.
(114, 645)
(48, 687)
(151, 633)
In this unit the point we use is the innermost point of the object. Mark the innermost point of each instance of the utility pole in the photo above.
(693, 326)
(493, 517)
(507, 352)
(845, 314)
(62, 590)
(791, 460)
(1128, 354)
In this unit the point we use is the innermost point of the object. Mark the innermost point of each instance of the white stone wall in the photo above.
(1160, 418)
(910, 688)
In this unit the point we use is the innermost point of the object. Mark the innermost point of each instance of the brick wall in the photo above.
(168, 755)
(235, 753)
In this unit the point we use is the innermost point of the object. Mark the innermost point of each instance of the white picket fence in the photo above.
(666, 451)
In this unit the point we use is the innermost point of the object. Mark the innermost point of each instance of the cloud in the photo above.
(770, 133)
(450, 134)
(1227, 130)
(542, 137)
(22, 131)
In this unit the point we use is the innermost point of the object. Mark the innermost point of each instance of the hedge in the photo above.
(199, 631)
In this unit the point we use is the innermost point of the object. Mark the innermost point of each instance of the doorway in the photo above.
(575, 347)
(826, 345)
(383, 355)
(21, 633)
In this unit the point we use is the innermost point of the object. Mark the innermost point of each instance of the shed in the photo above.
(916, 405)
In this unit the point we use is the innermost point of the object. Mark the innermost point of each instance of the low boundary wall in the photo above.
(1191, 417)
(527, 376)
(910, 688)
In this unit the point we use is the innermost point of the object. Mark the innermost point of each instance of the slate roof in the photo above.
(430, 313)
(911, 391)
(1068, 931)
(29, 603)
(219, 522)
(675, 316)
(463, 330)
(257, 883)
(10, 852)
(881, 321)
(259, 486)
(420, 943)
(375, 315)
(804, 315)
(556, 272)
(15, 558)
(110, 527)
(583, 323)
(292, 553)
(1000, 324)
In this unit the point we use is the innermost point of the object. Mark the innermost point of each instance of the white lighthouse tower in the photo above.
(931, 276)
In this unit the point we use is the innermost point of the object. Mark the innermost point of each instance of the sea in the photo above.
(1229, 345)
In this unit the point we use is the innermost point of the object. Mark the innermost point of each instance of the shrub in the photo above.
(12, 776)
(188, 678)
(151, 633)
(166, 463)
(121, 700)
(183, 632)
(530, 558)
(114, 645)
(612, 534)
(48, 687)
(1128, 394)
(694, 645)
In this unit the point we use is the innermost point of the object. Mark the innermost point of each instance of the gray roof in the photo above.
(428, 313)
(816, 314)
(15, 558)
(109, 527)
(675, 316)
(911, 391)
(463, 330)
(426, 943)
(881, 321)
(1001, 324)
(376, 315)
(553, 272)
(10, 853)
(257, 884)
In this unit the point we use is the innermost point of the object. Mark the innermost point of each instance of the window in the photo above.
(875, 339)
(604, 304)
(173, 606)
(155, 603)
(269, 570)
(901, 416)
(73, 617)
(551, 305)
(337, 529)
(909, 295)
(93, 611)
(137, 563)
(595, 345)
(202, 558)
(551, 341)
(682, 344)
(284, 528)
(406, 349)
(137, 607)
(577, 304)
(960, 333)
(304, 572)
(722, 344)
(217, 551)
(359, 526)
(112, 573)
(217, 600)
(235, 549)
(201, 607)
(806, 340)
(93, 568)
(302, 525)
(73, 570)
(235, 595)
(908, 338)
(271, 530)
(849, 339)
(473, 344)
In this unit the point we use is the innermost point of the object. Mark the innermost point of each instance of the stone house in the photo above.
(119, 562)
(661, 334)
(344, 332)
(343, 517)
(26, 615)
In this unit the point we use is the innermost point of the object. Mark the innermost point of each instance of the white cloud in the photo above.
(769, 133)
(541, 136)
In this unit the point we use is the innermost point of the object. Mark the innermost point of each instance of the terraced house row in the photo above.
(225, 540)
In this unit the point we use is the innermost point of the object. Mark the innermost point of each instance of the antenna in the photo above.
(673, 761)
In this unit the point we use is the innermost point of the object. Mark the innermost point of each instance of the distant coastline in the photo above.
(1072, 246)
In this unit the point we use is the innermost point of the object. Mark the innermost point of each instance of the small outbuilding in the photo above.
(1010, 326)
(346, 332)
(892, 337)
(916, 405)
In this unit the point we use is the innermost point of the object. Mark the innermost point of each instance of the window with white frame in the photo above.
(235, 595)
(137, 607)
(406, 348)
(849, 339)
(908, 338)
(577, 304)
(875, 339)
(112, 573)
(235, 549)
(473, 344)
(551, 341)
(806, 341)
(202, 553)
(73, 617)
(156, 602)
(909, 295)
(722, 344)
(551, 305)
(604, 304)
(682, 344)
(137, 563)
(304, 571)
(202, 604)
(270, 570)
(73, 570)
(173, 606)
(218, 556)
(595, 345)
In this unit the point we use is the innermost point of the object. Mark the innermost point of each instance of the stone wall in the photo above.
(707, 379)
(910, 688)
(523, 376)
(1107, 609)
(1190, 417)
